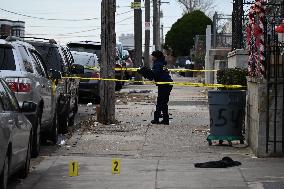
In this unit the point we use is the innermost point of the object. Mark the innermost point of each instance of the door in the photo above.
(4, 132)
(46, 88)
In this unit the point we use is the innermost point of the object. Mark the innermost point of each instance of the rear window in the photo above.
(90, 48)
(84, 60)
(51, 57)
(7, 61)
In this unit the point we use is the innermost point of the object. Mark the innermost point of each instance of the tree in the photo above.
(180, 38)
(202, 5)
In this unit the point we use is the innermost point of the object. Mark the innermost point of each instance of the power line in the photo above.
(124, 13)
(128, 18)
(82, 31)
(49, 19)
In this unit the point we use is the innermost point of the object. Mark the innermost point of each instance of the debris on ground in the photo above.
(126, 97)
(140, 91)
(201, 130)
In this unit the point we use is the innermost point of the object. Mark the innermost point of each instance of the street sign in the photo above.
(136, 5)
(147, 25)
(115, 166)
(73, 168)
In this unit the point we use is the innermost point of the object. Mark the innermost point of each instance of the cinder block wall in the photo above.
(256, 116)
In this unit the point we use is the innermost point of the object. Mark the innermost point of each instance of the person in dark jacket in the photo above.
(159, 74)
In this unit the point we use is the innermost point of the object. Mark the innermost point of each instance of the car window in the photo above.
(7, 61)
(51, 57)
(90, 48)
(38, 64)
(6, 102)
(67, 61)
(26, 60)
(13, 99)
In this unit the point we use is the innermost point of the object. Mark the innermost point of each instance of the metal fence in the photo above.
(275, 85)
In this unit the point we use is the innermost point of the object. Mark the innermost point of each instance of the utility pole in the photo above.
(156, 24)
(162, 34)
(215, 22)
(138, 38)
(108, 40)
(147, 32)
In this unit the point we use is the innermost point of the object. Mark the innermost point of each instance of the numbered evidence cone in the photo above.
(227, 114)
(73, 168)
(115, 166)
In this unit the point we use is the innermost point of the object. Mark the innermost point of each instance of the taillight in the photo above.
(19, 84)
(95, 75)
(13, 86)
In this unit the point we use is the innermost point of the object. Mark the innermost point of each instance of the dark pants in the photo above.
(162, 102)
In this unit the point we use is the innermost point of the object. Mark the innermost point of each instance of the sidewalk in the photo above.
(95, 172)
(154, 156)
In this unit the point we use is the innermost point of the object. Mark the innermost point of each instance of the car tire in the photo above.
(75, 111)
(24, 172)
(64, 122)
(36, 136)
(5, 173)
(55, 129)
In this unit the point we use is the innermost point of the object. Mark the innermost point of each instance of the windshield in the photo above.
(7, 61)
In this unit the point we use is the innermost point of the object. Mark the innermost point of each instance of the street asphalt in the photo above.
(152, 156)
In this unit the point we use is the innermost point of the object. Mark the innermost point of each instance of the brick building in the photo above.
(12, 28)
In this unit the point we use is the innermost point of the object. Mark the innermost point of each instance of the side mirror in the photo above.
(55, 74)
(28, 107)
(77, 69)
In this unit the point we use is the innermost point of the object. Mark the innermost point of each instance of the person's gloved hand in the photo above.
(146, 72)
(142, 70)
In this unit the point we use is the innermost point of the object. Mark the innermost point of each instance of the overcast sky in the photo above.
(65, 31)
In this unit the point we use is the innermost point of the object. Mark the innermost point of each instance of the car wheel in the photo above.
(64, 122)
(36, 137)
(76, 106)
(26, 169)
(54, 131)
(5, 173)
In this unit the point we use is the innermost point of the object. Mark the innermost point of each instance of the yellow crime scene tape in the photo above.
(189, 84)
(171, 70)
(136, 69)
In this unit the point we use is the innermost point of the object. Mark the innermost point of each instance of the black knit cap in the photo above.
(158, 54)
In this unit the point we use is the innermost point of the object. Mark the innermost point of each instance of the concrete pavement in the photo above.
(95, 172)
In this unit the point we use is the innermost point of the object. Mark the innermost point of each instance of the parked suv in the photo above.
(88, 89)
(22, 67)
(59, 61)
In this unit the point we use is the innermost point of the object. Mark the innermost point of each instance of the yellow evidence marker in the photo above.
(115, 166)
(73, 169)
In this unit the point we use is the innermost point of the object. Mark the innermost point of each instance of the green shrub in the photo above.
(232, 76)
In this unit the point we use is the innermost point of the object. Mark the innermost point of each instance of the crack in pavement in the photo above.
(156, 176)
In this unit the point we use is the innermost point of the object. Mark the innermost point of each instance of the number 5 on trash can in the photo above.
(73, 168)
(115, 166)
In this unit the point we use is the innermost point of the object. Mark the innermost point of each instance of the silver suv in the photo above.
(21, 66)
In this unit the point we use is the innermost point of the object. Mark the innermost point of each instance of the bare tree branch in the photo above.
(206, 6)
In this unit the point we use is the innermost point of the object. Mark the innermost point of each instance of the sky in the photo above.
(74, 10)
